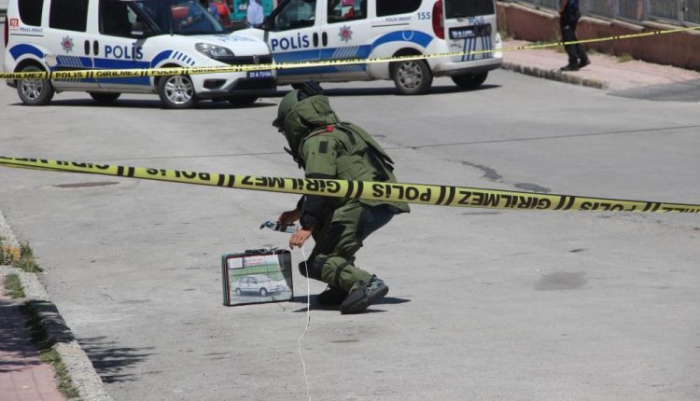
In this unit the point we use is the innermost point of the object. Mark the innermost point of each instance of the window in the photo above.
(296, 14)
(70, 15)
(346, 10)
(30, 11)
(464, 9)
(393, 7)
(116, 18)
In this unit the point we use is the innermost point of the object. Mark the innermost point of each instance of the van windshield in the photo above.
(468, 8)
(182, 17)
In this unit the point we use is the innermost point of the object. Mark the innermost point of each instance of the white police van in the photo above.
(336, 30)
(69, 35)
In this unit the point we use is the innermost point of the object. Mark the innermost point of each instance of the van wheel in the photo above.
(34, 92)
(176, 91)
(412, 77)
(470, 81)
(241, 101)
(105, 98)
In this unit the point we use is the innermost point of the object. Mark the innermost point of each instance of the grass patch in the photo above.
(13, 286)
(624, 57)
(7, 254)
(49, 355)
(504, 34)
(26, 260)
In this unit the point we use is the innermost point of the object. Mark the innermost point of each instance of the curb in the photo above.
(83, 375)
(554, 75)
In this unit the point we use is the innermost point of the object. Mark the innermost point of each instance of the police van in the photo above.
(337, 30)
(70, 35)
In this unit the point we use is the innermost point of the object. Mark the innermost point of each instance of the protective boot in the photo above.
(364, 295)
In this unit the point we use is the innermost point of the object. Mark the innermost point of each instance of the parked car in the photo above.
(334, 31)
(130, 34)
(258, 284)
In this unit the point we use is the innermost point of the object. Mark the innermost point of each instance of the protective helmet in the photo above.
(288, 102)
(291, 99)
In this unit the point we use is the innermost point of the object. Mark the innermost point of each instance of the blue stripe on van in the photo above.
(20, 50)
(164, 55)
(417, 37)
(73, 61)
(109, 64)
(347, 52)
(338, 53)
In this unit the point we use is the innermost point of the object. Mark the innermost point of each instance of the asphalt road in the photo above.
(484, 305)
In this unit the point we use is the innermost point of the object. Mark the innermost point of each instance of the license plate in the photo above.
(259, 74)
(461, 33)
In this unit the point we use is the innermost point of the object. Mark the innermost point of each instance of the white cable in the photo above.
(308, 315)
(308, 322)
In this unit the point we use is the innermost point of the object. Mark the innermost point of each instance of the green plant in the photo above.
(504, 34)
(13, 286)
(26, 260)
(624, 57)
(49, 354)
(7, 254)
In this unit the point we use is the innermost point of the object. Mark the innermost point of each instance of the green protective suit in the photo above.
(327, 148)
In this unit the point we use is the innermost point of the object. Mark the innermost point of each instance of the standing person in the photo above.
(211, 7)
(214, 11)
(569, 14)
(254, 14)
(327, 148)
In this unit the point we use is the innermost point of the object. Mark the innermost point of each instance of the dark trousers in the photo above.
(568, 34)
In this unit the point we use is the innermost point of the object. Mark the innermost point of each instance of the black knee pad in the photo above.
(313, 267)
(331, 239)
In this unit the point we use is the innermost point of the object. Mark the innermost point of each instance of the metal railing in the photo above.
(680, 12)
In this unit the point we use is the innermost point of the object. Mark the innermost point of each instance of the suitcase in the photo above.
(257, 276)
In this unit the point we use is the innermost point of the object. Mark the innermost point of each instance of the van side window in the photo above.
(394, 7)
(30, 11)
(116, 19)
(464, 9)
(296, 14)
(70, 15)
(346, 10)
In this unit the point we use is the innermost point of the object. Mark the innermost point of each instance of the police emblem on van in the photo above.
(345, 33)
(67, 44)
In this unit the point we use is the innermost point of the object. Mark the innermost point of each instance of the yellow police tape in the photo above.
(440, 195)
(159, 72)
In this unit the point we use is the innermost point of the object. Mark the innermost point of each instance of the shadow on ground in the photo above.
(321, 307)
(155, 103)
(16, 350)
(111, 361)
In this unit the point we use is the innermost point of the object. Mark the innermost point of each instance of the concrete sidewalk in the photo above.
(24, 377)
(604, 72)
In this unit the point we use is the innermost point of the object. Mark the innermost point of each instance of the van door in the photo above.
(345, 35)
(295, 36)
(68, 41)
(470, 24)
(117, 48)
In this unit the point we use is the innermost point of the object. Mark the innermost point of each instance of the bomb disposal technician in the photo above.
(327, 148)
